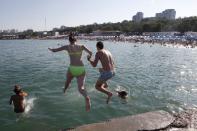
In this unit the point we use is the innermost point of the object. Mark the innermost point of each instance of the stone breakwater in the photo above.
(150, 121)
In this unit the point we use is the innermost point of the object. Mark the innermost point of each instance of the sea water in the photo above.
(156, 77)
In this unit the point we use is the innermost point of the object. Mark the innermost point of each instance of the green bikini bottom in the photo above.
(76, 70)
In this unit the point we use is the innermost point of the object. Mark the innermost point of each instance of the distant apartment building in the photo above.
(138, 17)
(168, 14)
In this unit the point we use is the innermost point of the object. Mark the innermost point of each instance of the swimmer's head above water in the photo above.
(17, 89)
(122, 94)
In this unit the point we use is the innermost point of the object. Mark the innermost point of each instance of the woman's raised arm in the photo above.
(58, 49)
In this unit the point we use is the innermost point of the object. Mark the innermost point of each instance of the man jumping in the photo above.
(107, 70)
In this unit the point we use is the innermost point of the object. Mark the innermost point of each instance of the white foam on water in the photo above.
(182, 72)
(90, 90)
(29, 104)
(184, 66)
(119, 88)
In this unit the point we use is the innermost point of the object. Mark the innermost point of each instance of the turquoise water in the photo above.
(156, 78)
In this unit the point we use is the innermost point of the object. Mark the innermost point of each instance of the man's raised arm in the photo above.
(95, 61)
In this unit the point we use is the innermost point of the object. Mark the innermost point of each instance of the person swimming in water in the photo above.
(18, 99)
(122, 94)
(76, 68)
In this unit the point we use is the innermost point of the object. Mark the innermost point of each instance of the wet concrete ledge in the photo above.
(150, 121)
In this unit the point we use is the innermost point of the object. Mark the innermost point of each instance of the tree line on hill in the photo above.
(146, 25)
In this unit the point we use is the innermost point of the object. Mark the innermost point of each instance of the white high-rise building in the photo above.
(168, 14)
(138, 17)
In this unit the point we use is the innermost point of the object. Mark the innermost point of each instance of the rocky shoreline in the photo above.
(184, 121)
(150, 121)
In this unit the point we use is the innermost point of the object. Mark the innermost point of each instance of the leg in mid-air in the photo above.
(68, 80)
(105, 84)
(101, 86)
(82, 90)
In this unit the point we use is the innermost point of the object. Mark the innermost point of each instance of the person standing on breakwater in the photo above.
(107, 70)
(18, 99)
(76, 68)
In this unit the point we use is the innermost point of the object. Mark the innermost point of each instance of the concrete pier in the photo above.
(150, 121)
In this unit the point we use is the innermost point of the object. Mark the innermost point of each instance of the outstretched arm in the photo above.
(58, 49)
(87, 50)
(95, 61)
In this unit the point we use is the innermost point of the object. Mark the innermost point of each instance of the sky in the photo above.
(31, 14)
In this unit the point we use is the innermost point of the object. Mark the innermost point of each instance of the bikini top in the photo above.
(75, 53)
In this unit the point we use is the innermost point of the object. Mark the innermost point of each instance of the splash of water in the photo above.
(121, 88)
(118, 88)
(29, 104)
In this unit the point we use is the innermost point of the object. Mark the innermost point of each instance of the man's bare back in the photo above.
(18, 100)
(106, 60)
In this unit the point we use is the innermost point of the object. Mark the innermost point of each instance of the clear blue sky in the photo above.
(30, 14)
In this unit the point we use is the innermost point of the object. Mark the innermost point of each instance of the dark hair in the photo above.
(72, 38)
(17, 89)
(100, 45)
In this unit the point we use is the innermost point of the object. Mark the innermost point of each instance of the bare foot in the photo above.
(88, 104)
(109, 97)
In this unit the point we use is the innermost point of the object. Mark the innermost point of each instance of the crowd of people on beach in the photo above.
(145, 39)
